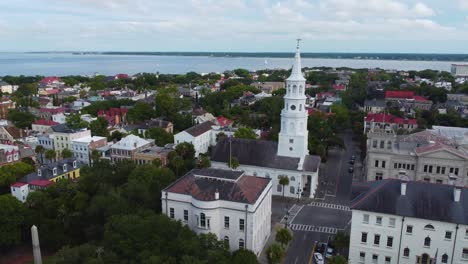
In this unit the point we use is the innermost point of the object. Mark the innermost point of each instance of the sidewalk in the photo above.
(263, 259)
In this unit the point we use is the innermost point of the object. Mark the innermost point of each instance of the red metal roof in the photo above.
(42, 183)
(339, 87)
(49, 79)
(399, 94)
(389, 118)
(44, 122)
(18, 184)
(420, 98)
(222, 121)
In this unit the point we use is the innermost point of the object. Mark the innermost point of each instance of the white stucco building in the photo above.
(459, 70)
(289, 157)
(199, 135)
(230, 204)
(395, 221)
(436, 155)
(64, 136)
(82, 147)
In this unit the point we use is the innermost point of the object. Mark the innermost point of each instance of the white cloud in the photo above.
(463, 4)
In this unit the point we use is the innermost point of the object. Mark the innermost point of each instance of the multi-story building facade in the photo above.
(43, 126)
(44, 177)
(395, 221)
(407, 100)
(9, 154)
(64, 137)
(82, 147)
(126, 148)
(437, 155)
(230, 204)
(5, 106)
(47, 141)
(389, 121)
(459, 70)
(199, 135)
(147, 156)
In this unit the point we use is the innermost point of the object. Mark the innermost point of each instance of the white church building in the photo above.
(289, 157)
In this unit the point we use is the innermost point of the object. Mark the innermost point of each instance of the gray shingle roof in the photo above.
(200, 128)
(47, 171)
(261, 153)
(422, 200)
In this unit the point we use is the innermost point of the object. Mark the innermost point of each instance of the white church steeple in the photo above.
(293, 137)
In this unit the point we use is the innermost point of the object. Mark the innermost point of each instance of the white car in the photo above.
(329, 253)
(318, 258)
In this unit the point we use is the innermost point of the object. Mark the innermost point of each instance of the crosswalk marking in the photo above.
(310, 228)
(293, 211)
(330, 206)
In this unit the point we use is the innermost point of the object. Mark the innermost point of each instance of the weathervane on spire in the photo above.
(298, 41)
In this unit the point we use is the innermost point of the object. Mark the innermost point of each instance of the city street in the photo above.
(322, 217)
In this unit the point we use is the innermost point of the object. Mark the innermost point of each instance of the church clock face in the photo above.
(293, 107)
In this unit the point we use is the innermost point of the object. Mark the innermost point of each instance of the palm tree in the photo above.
(177, 162)
(275, 253)
(50, 154)
(284, 180)
(234, 163)
(283, 236)
(40, 150)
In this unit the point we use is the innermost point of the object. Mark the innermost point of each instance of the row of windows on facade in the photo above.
(406, 254)
(385, 125)
(381, 144)
(45, 142)
(121, 152)
(63, 145)
(204, 222)
(440, 169)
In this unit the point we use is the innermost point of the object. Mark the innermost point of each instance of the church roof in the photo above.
(260, 153)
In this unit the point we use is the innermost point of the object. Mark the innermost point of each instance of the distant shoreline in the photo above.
(320, 55)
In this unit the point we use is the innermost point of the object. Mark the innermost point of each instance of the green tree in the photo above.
(244, 256)
(160, 136)
(245, 132)
(95, 156)
(234, 163)
(341, 241)
(10, 173)
(98, 127)
(176, 162)
(66, 154)
(341, 115)
(204, 162)
(74, 121)
(40, 151)
(21, 119)
(283, 236)
(283, 181)
(116, 135)
(140, 112)
(50, 154)
(12, 213)
(275, 253)
(337, 260)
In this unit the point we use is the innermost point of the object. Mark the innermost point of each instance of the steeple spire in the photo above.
(296, 73)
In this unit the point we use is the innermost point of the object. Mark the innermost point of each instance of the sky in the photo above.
(402, 26)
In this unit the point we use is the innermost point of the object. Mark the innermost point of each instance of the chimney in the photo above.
(403, 187)
(216, 195)
(456, 194)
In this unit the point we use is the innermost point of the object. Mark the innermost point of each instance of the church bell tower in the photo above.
(293, 136)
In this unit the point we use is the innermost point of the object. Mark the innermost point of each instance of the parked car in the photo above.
(321, 247)
(351, 169)
(318, 258)
(329, 252)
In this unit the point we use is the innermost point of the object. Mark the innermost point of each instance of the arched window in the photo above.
(406, 252)
(294, 89)
(226, 241)
(241, 243)
(300, 107)
(279, 188)
(300, 89)
(292, 178)
(444, 258)
(291, 127)
(202, 220)
(427, 242)
(291, 189)
(429, 226)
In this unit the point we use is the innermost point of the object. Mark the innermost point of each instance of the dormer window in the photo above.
(74, 164)
(54, 171)
(64, 167)
(39, 172)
